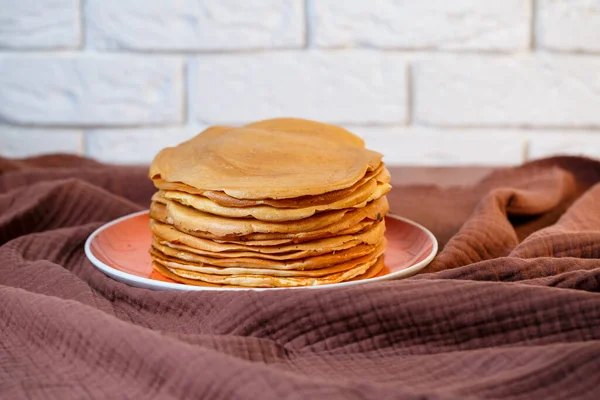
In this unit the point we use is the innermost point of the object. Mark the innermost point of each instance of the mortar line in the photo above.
(409, 94)
(533, 25)
(308, 28)
(83, 45)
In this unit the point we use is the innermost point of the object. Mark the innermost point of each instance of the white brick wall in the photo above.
(84, 89)
(39, 24)
(431, 24)
(523, 90)
(23, 142)
(569, 25)
(133, 146)
(428, 82)
(194, 25)
(339, 87)
(582, 143)
(430, 146)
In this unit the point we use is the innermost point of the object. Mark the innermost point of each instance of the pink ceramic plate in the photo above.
(120, 250)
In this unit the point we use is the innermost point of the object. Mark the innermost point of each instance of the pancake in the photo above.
(169, 236)
(358, 199)
(237, 270)
(165, 272)
(276, 159)
(198, 223)
(196, 220)
(359, 267)
(381, 175)
(276, 203)
(158, 213)
(256, 239)
(348, 226)
(249, 263)
(372, 272)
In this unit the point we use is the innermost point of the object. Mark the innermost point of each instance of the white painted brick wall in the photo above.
(430, 146)
(428, 82)
(569, 25)
(134, 146)
(90, 89)
(524, 90)
(39, 24)
(194, 25)
(423, 24)
(577, 143)
(340, 87)
(25, 142)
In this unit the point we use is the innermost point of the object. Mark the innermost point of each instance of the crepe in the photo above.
(165, 272)
(249, 263)
(198, 223)
(277, 159)
(169, 236)
(276, 203)
(353, 222)
(367, 193)
(372, 272)
(258, 239)
(381, 175)
(359, 266)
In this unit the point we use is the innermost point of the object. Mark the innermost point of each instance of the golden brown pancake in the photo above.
(277, 159)
(380, 175)
(198, 223)
(310, 263)
(165, 272)
(348, 226)
(276, 203)
(253, 240)
(169, 236)
(258, 239)
(358, 199)
(216, 270)
(372, 272)
(193, 219)
(359, 266)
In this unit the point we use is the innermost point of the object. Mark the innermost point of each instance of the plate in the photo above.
(120, 250)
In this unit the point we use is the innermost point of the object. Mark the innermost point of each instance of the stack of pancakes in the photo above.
(277, 203)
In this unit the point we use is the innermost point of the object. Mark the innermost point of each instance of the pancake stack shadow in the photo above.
(277, 203)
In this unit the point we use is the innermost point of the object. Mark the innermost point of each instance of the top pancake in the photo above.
(275, 159)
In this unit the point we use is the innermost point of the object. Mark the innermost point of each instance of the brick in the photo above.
(349, 87)
(39, 24)
(425, 24)
(572, 25)
(439, 147)
(575, 143)
(16, 142)
(90, 90)
(134, 146)
(194, 25)
(540, 90)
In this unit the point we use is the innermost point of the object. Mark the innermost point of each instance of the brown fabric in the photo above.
(509, 309)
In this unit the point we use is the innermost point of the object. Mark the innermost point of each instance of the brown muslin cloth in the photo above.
(508, 309)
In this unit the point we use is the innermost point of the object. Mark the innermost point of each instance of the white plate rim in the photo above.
(147, 283)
